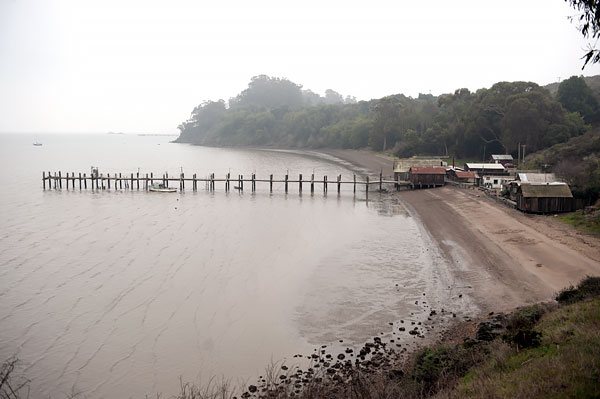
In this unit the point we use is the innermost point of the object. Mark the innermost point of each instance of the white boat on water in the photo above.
(161, 188)
(37, 143)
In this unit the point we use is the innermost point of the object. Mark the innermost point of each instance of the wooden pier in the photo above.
(135, 181)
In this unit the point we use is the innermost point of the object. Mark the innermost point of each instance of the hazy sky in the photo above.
(141, 66)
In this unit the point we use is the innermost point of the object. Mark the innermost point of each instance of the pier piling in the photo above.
(133, 181)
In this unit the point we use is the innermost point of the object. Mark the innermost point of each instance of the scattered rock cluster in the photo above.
(335, 367)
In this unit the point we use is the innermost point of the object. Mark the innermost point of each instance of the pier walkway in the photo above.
(136, 181)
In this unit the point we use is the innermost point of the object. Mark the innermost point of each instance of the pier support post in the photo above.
(85, 181)
(286, 183)
(312, 183)
(137, 179)
(146, 182)
(324, 184)
(242, 182)
(253, 182)
(120, 182)
(380, 179)
(367, 186)
(227, 182)
(271, 182)
(59, 180)
(194, 183)
(108, 179)
(339, 183)
(300, 182)
(67, 180)
(44, 179)
(354, 183)
(151, 178)
(79, 181)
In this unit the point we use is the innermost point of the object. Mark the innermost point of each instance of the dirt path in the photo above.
(508, 258)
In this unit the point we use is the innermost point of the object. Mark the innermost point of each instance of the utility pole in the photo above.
(523, 153)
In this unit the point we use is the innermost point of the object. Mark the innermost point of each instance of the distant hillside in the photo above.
(592, 81)
(276, 112)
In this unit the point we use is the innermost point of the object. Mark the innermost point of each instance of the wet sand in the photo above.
(505, 257)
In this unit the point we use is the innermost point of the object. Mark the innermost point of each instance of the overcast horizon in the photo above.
(142, 66)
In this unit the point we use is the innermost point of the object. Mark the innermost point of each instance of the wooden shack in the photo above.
(427, 176)
(402, 166)
(544, 198)
(462, 176)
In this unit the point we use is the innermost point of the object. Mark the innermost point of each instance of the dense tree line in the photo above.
(279, 113)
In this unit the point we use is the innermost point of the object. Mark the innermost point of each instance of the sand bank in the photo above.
(507, 257)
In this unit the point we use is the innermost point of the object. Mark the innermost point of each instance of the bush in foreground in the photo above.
(588, 288)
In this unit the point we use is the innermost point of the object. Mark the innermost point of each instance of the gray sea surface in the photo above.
(120, 293)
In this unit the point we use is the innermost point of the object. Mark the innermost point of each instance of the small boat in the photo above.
(161, 188)
(37, 143)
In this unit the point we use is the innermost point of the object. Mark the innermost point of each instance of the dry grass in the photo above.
(11, 386)
(566, 364)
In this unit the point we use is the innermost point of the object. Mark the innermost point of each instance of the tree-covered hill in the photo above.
(593, 82)
(279, 113)
(577, 161)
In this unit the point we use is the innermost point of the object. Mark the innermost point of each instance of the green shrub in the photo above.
(436, 367)
(520, 327)
(588, 288)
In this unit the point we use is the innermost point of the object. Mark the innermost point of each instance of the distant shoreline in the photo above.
(510, 259)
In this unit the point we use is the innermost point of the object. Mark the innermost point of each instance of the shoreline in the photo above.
(510, 259)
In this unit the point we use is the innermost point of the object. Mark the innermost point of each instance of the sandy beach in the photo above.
(506, 257)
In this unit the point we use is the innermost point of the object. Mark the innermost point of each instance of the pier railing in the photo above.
(118, 181)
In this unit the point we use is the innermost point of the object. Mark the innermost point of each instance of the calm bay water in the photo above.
(120, 293)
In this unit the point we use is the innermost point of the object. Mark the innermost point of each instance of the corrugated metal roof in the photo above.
(546, 190)
(537, 177)
(497, 166)
(427, 170)
(502, 157)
